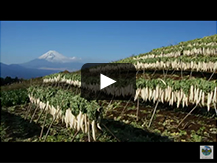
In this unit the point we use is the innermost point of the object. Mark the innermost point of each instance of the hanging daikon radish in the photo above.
(150, 94)
(146, 93)
(67, 117)
(211, 95)
(182, 95)
(52, 111)
(203, 99)
(157, 93)
(98, 126)
(178, 98)
(191, 96)
(75, 123)
(137, 93)
(214, 100)
(172, 98)
(175, 96)
(169, 93)
(162, 96)
(78, 121)
(59, 113)
(196, 95)
(143, 93)
(38, 102)
(166, 94)
(30, 98)
(208, 102)
(85, 123)
(93, 130)
(71, 119)
(82, 122)
(63, 118)
(47, 106)
(40, 105)
(200, 95)
(154, 96)
(184, 101)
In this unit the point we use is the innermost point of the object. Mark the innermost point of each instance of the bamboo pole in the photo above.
(125, 106)
(153, 114)
(40, 114)
(34, 114)
(43, 125)
(187, 115)
(137, 112)
(54, 118)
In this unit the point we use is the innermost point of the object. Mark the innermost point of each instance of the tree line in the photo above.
(9, 80)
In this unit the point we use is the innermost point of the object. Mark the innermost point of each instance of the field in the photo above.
(175, 101)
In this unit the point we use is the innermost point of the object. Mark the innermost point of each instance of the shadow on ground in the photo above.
(18, 128)
(127, 133)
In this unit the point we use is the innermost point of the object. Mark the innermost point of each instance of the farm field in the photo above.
(175, 101)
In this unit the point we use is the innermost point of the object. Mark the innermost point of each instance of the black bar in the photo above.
(103, 152)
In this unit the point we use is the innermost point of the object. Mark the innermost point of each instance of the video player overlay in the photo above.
(106, 81)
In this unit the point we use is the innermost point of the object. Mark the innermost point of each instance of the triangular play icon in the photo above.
(105, 81)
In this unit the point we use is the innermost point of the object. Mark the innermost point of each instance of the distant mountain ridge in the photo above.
(48, 63)
(53, 60)
(15, 70)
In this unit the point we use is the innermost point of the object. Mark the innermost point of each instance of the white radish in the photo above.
(78, 121)
(200, 95)
(82, 123)
(85, 123)
(157, 92)
(143, 93)
(191, 93)
(162, 96)
(154, 95)
(137, 93)
(93, 130)
(203, 99)
(178, 98)
(215, 96)
(150, 94)
(99, 126)
(208, 102)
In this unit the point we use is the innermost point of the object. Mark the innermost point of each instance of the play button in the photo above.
(105, 81)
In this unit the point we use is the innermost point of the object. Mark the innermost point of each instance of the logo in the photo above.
(206, 152)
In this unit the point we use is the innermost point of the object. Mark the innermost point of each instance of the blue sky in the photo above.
(94, 41)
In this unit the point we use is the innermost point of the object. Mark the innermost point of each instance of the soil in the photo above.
(166, 120)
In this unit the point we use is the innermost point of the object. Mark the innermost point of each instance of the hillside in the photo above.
(175, 100)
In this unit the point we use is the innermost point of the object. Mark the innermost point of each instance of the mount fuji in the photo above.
(53, 56)
(53, 60)
(48, 63)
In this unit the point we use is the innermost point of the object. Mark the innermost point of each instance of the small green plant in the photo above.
(201, 130)
(14, 97)
(182, 132)
(3, 130)
(196, 138)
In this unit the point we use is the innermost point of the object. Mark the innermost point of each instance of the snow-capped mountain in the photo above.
(15, 70)
(52, 60)
(53, 56)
